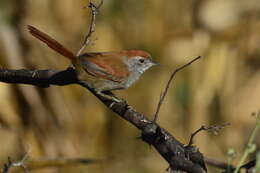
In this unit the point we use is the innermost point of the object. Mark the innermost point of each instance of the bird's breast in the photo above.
(132, 78)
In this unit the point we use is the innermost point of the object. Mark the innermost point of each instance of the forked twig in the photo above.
(20, 163)
(162, 96)
(214, 129)
(94, 11)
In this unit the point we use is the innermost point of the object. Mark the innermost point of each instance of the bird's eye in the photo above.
(141, 60)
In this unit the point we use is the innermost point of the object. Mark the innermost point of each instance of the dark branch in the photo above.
(229, 168)
(173, 151)
(249, 165)
(162, 96)
(40, 78)
(218, 163)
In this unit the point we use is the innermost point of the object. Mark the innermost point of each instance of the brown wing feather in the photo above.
(52, 43)
(105, 65)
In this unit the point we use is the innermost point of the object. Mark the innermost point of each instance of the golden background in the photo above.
(68, 122)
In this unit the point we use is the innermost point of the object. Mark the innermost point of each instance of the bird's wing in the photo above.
(105, 65)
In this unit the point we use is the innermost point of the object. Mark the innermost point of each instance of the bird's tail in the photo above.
(50, 42)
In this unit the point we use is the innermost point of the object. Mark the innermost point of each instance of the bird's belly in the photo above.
(100, 84)
(131, 80)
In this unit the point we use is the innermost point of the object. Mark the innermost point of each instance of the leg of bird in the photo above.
(109, 97)
(99, 92)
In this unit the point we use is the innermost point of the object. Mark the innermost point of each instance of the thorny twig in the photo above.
(214, 129)
(20, 163)
(162, 96)
(94, 11)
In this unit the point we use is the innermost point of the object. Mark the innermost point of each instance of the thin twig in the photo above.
(215, 129)
(38, 164)
(94, 11)
(20, 163)
(251, 146)
(223, 165)
(217, 163)
(168, 85)
(194, 134)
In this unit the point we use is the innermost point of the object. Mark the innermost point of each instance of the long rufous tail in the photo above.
(52, 43)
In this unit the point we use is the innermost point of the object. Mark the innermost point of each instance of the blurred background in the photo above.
(68, 122)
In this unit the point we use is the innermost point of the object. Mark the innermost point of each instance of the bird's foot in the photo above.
(109, 97)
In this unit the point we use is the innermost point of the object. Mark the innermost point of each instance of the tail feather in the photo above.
(50, 42)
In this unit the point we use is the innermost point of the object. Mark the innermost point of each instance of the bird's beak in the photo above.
(155, 63)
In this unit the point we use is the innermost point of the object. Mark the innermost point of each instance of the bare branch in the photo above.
(217, 163)
(172, 150)
(20, 163)
(94, 11)
(47, 163)
(38, 164)
(40, 78)
(228, 168)
(214, 129)
(162, 96)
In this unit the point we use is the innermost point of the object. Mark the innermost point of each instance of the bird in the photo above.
(102, 71)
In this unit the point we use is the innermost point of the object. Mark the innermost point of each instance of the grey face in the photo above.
(137, 65)
(140, 64)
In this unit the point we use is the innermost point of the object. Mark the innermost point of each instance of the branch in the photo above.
(214, 129)
(229, 168)
(162, 96)
(10, 164)
(40, 78)
(94, 10)
(173, 151)
(218, 163)
(57, 163)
